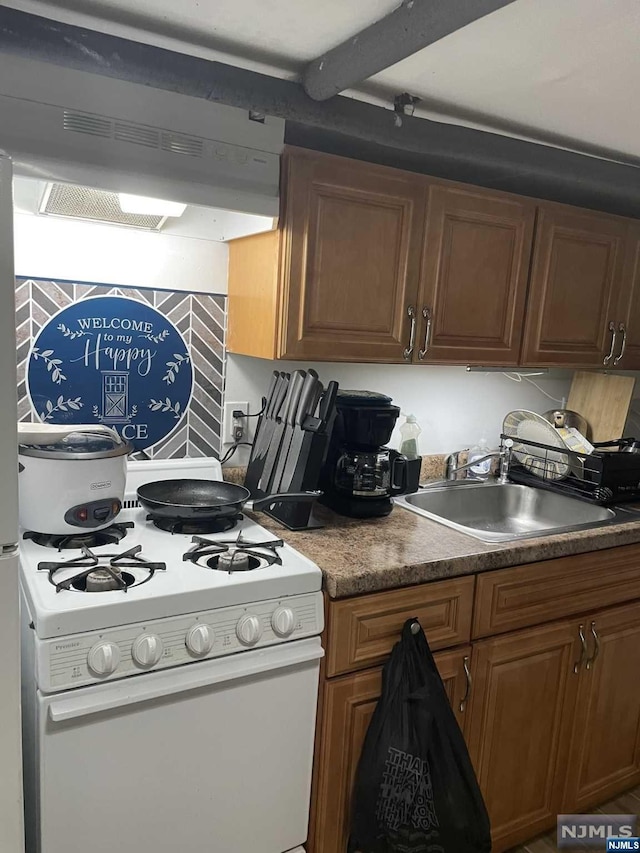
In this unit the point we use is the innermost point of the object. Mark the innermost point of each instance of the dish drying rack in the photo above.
(602, 477)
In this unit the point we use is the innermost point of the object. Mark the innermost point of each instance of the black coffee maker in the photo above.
(360, 475)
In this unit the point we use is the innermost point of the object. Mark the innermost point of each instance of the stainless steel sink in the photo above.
(495, 512)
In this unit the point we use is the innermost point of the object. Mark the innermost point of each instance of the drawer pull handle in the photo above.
(467, 674)
(612, 329)
(596, 647)
(621, 328)
(416, 627)
(411, 312)
(583, 651)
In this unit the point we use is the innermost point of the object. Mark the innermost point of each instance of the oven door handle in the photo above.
(169, 682)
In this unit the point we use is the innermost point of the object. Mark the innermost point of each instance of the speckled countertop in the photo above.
(359, 556)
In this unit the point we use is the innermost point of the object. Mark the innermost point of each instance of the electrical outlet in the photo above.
(230, 424)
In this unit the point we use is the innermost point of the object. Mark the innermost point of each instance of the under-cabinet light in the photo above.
(149, 206)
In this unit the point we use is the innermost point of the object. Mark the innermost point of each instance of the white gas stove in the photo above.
(222, 624)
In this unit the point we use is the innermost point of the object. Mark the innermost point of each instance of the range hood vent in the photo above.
(94, 205)
(136, 134)
(67, 126)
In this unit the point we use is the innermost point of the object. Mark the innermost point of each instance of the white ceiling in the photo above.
(561, 71)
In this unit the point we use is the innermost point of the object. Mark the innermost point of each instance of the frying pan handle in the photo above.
(285, 497)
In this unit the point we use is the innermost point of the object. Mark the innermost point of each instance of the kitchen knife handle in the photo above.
(272, 387)
(281, 396)
(328, 402)
(296, 384)
(307, 396)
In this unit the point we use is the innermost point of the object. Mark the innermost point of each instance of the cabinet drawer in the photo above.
(509, 599)
(362, 631)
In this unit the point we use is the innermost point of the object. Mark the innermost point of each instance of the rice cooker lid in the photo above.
(346, 398)
(79, 446)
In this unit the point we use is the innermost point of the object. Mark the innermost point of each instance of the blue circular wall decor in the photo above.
(114, 361)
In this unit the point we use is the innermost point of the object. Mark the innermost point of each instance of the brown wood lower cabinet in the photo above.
(519, 726)
(605, 751)
(551, 712)
(348, 704)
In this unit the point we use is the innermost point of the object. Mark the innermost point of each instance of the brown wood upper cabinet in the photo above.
(475, 267)
(576, 288)
(353, 236)
(341, 275)
(376, 264)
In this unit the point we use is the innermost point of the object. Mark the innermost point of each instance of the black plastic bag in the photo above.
(416, 790)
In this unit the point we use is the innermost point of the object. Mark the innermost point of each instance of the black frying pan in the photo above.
(205, 500)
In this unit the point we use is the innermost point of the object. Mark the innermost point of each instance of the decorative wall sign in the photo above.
(165, 395)
(114, 361)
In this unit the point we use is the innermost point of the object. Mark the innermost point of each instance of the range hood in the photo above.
(64, 125)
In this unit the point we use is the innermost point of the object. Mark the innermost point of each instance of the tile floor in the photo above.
(628, 803)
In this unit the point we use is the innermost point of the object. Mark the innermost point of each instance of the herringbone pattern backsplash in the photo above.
(200, 317)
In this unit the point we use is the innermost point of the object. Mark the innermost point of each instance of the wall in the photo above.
(62, 249)
(453, 407)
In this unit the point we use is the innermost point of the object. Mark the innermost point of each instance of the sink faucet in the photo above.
(504, 455)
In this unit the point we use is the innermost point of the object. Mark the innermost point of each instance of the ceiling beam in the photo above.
(344, 125)
(414, 25)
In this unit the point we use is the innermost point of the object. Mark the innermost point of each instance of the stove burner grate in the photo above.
(194, 527)
(91, 539)
(233, 555)
(110, 565)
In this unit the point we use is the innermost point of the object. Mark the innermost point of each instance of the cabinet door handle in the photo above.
(467, 674)
(426, 313)
(583, 650)
(596, 646)
(621, 328)
(612, 329)
(411, 311)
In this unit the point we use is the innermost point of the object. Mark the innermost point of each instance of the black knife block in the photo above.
(300, 516)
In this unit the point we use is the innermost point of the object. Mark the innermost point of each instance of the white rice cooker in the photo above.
(71, 478)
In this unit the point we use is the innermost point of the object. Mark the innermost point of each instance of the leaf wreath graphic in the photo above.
(96, 412)
(174, 367)
(53, 364)
(61, 405)
(157, 339)
(166, 406)
(69, 333)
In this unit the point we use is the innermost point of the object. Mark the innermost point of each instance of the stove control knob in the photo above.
(249, 630)
(200, 639)
(103, 658)
(283, 621)
(147, 650)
